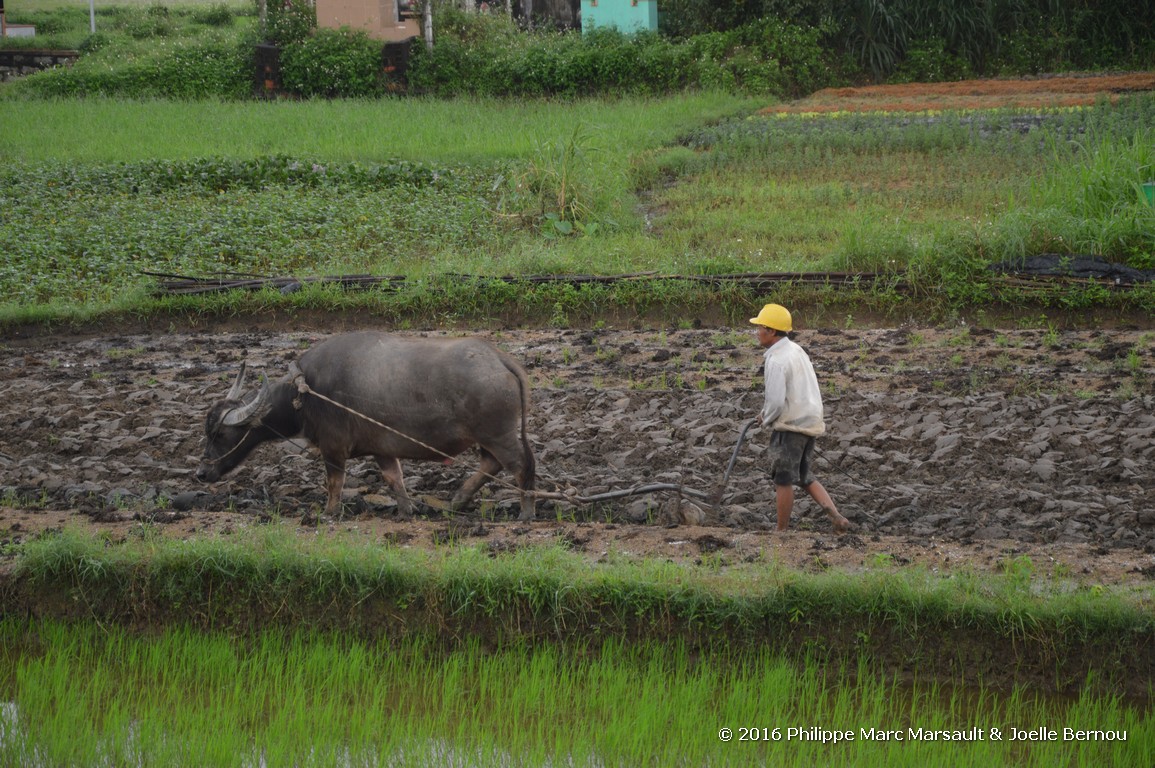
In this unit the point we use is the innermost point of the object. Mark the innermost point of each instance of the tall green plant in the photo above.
(1093, 199)
(878, 35)
(965, 26)
(767, 56)
(554, 187)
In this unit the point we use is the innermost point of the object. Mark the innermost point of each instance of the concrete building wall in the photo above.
(381, 19)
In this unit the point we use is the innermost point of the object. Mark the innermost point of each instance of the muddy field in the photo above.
(951, 447)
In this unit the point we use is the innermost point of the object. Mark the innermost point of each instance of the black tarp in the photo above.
(1065, 265)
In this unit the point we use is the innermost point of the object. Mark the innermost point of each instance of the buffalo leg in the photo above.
(490, 465)
(525, 476)
(391, 474)
(520, 463)
(334, 484)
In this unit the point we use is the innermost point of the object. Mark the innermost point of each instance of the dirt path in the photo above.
(959, 447)
(1044, 92)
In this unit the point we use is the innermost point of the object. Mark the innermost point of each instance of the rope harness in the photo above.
(298, 379)
(230, 451)
(303, 388)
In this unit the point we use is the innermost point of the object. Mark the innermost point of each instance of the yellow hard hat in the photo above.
(774, 316)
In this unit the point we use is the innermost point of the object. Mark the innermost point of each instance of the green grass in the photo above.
(873, 191)
(687, 185)
(99, 131)
(847, 212)
(269, 576)
(83, 695)
(539, 658)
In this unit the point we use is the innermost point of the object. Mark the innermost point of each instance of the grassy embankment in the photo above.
(536, 657)
(97, 192)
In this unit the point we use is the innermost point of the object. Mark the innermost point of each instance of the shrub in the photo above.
(95, 42)
(155, 23)
(1032, 50)
(290, 22)
(213, 68)
(443, 74)
(208, 67)
(54, 22)
(333, 63)
(767, 56)
(219, 15)
(663, 65)
(929, 61)
(479, 55)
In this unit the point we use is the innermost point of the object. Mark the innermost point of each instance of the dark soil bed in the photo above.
(955, 447)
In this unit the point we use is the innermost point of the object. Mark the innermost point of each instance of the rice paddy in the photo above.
(91, 695)
(258, 654)
(263, 650)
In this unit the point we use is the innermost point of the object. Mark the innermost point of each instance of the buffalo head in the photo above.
(233, 429)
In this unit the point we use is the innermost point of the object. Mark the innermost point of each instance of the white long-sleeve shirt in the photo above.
(793, 399)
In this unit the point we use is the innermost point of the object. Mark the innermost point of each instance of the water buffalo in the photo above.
(445, 394)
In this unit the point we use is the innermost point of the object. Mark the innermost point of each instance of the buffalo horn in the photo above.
(238, 385)
(254, 410)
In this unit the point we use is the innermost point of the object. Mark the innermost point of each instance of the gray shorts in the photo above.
(792, 454)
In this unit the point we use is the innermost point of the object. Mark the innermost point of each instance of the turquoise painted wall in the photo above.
(626, 15)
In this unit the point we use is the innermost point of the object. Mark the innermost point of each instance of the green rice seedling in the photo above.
(82, 695)
(1133, 363)
(268, 579)
(960, 338)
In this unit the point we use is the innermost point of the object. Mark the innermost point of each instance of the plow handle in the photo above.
(733, 458)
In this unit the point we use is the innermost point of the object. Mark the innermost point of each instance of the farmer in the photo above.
(793, 409)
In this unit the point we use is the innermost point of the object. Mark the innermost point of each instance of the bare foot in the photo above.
(841, 524)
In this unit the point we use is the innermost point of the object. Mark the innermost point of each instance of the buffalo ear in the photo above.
(238, 385)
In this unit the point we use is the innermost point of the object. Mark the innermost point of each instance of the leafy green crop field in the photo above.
(96, 193)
